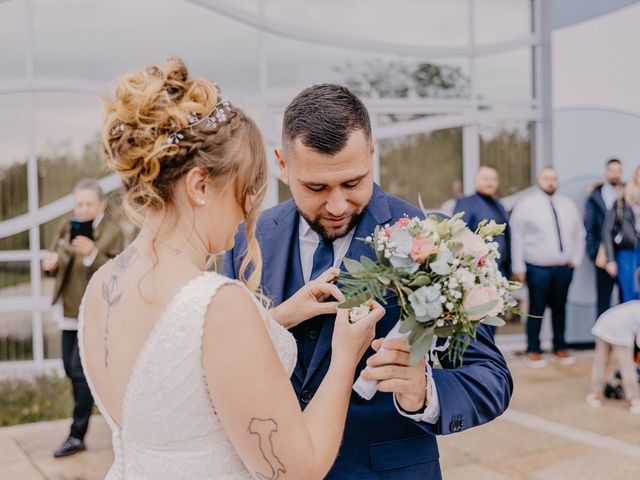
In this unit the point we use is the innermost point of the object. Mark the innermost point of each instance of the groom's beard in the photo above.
(316, 225)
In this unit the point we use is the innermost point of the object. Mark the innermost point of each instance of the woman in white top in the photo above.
(616, 331)
(188, 368)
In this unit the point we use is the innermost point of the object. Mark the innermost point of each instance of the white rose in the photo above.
(472, 244)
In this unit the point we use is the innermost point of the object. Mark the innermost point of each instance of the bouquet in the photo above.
(446, 279)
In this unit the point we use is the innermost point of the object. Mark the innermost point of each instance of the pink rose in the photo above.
(480, 296)
(421, 249)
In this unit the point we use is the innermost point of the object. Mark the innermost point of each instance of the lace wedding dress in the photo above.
(169, 428)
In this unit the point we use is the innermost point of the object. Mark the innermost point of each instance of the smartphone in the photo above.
(81, 228)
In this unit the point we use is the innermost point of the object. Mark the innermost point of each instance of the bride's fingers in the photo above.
(326, 308)
(323, 291)
(329, 275)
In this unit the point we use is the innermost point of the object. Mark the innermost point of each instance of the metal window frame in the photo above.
(448, 113)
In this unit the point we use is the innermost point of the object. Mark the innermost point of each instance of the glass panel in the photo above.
(120, 35)
(506, 77)
(68, 143)
(14, 152)
(16, 332)
(14, 279)
(20, 241)
(437, 23)
(52, 340)
(508, 148)
(498, 21)
(425, 164)
(369, 75)
(12, 14)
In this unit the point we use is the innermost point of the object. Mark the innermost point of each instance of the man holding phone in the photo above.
(81, 246)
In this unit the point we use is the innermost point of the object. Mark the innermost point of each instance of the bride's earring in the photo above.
(200, 201)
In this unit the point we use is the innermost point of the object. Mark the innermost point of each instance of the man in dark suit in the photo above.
(598, 204)
(484, 205)
(327, 161)
(73, 262)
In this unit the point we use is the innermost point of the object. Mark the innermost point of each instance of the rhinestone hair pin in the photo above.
(218, 116)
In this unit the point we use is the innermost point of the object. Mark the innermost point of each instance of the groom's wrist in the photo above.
(419, 407)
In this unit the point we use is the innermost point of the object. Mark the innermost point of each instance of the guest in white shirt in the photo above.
(547, 243)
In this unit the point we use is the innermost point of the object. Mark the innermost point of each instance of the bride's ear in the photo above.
(282, 165)
(197, 186)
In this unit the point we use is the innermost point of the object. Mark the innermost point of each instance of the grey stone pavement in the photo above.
(548, 433)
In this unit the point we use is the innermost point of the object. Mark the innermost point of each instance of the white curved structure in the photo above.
(74, 48)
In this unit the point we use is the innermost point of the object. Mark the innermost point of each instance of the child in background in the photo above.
(616, 331)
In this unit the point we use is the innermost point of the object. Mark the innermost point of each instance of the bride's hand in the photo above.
(352, 339)
(310, 301)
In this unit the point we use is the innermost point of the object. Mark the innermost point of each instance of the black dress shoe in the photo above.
(69, 447)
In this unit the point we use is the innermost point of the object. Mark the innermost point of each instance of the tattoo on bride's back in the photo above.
(264, 430)
(109, 293)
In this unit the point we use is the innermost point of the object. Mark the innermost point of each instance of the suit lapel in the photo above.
(377, 213)
(276, 240)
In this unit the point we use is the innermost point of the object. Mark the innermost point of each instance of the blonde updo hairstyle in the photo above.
(155, 103)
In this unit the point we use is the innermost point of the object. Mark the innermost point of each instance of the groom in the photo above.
(327, 161)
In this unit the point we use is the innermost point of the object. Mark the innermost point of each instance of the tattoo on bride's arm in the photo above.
(264, 430)
(109, 294)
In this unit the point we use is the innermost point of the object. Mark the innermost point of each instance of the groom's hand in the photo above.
(395, 374)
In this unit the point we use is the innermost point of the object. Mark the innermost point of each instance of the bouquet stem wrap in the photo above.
(368, 388)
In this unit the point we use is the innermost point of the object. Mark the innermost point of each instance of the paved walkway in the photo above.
(548, 433)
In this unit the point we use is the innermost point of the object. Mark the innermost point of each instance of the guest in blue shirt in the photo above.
(485, 205)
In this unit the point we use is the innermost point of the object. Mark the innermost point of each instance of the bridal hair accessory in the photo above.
(218, 116)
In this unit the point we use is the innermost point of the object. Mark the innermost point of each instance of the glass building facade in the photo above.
(450, 85)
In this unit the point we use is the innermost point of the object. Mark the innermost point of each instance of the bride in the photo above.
(189, 369)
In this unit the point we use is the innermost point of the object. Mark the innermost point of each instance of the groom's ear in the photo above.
(372, 147)
(282, 165)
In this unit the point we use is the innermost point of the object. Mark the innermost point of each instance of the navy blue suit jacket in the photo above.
(378, 442)
(477, 208)
(594, 214)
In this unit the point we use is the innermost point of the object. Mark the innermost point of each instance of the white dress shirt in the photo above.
(68, 323)
(534, 234)
(309, 240)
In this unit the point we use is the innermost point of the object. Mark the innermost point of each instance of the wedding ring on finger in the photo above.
(356, 313)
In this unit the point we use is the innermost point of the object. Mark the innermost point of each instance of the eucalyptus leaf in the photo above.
(357, 300)
(480, 309)
(493, 321)
(353, 266)
(366, 262)
(421, 281)
(384, 280)
(408, 324)
(420, 348)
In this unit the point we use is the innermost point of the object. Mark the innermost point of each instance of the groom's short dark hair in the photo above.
(323, 116)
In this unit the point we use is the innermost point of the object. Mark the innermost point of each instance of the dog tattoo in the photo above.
(264, 430)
